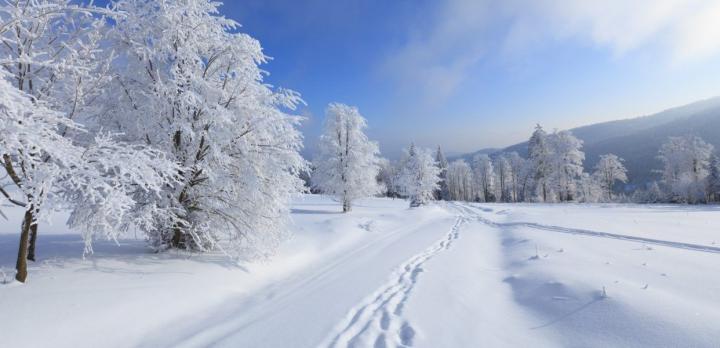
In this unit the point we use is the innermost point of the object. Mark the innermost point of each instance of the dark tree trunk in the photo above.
(177, 239)
(33, 239)
(346, 206)
(21, 265)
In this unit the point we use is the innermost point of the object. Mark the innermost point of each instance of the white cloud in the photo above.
(436, 58)
(681, 30)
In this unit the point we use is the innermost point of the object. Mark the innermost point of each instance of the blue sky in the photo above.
(469, 74)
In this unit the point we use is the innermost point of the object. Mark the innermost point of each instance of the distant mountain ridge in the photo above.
(637, 140)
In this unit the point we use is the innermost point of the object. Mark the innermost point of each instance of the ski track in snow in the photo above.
(577, 231)
(378, 320)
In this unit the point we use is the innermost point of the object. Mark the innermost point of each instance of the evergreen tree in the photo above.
(540, 160)
(419, 176)
(442, 192)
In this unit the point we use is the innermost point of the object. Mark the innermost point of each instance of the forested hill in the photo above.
(637, 140)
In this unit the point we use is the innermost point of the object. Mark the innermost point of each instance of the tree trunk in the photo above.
(177, 239)
(33, 239)
(21, 265)
(346, 206)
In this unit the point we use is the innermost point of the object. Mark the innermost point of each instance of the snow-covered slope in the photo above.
(445, 275)
(637, 140)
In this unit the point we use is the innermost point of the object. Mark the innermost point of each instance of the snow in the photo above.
(442, 275)
(676, 223)
(656, 295)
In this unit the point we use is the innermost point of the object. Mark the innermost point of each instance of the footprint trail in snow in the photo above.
(378, 320)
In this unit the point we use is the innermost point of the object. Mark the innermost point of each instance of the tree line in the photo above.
(552, 172)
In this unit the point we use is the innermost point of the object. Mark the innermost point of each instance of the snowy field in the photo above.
(445, 275)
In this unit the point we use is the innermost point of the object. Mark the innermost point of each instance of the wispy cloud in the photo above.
(681, 30)
(436, 59)
(440, 49)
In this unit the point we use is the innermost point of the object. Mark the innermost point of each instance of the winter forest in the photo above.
(149, 128)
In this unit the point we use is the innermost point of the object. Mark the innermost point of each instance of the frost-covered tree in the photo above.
(419, 175)
(388, 177)
(540, 157)
(50, 53)
(589, 189)
(686, 164)
(191, 85)
(713, 180)
(608, 171)
(347, 161)
(503, 174)
(55, 68)
(98, 183)
(442, 192)
(566, 164)
(484, 175)
(460, 181)
(29, 133)
(520, 176)
(653, 194)
(556, 164)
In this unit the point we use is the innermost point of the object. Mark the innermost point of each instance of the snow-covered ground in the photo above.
(445, 275)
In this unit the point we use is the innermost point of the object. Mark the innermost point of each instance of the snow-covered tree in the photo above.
(98, 183)
(540, 157)
(442, 192)
(589, 190)
(191, 85)
(29, 133)
(713, 180)
(484, 175)
(503, 174)
(347, 161)
(50, 53)
(653, 194)
(54, 70)
(388, 177)
(686, 164)
(608, 171)
(566, 164)
(460, 181)
(419, 175)
(556, 164)
(520, 176)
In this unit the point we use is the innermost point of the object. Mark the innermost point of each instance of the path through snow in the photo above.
(378, 321)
